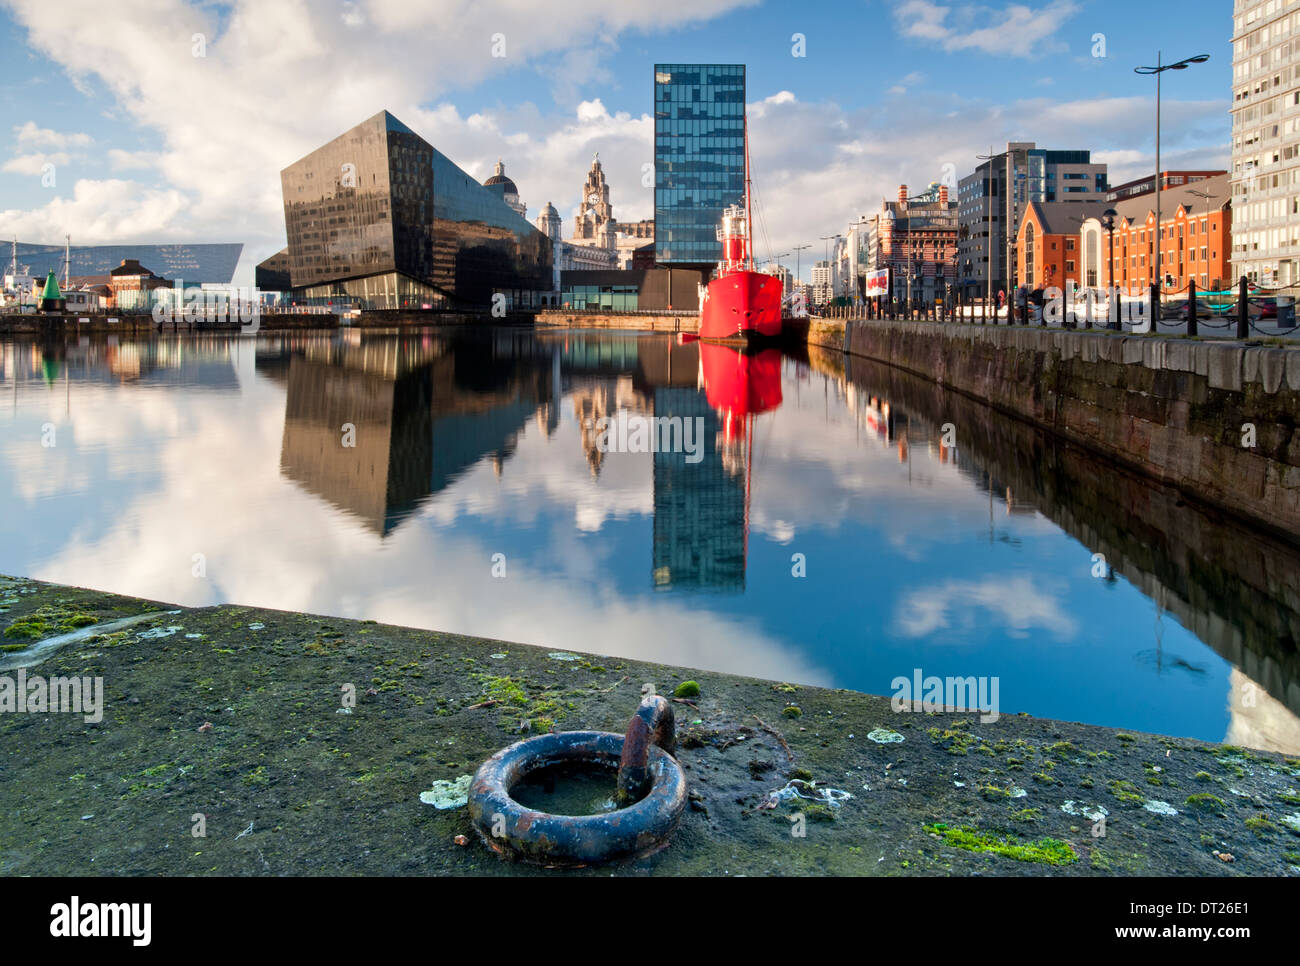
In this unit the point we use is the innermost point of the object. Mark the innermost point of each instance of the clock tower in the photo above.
(595, 222)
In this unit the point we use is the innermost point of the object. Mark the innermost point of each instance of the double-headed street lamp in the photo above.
(827, 239)
(1159, 69)
(797, 266)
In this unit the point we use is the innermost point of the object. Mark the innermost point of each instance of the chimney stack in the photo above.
(902, 193)
(943, 195)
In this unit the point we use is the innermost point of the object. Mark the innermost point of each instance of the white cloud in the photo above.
(103, 211)
(282, 76)
(31, 135)
(121, 160)
(1016, 602)
(33, 164)
(1015, 30)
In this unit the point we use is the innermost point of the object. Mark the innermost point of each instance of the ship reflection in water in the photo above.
(826, 530)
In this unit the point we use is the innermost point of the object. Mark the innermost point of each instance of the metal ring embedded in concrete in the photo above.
(523, 833)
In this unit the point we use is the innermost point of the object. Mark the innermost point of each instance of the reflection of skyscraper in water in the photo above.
(699, 525)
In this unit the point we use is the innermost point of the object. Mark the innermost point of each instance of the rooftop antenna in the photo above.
(67, 260)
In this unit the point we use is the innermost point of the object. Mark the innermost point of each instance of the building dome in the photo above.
(499, 177)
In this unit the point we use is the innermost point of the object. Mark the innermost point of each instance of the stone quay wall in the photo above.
(1217, 420)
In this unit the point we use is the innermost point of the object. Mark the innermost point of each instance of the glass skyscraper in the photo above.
(699, 157)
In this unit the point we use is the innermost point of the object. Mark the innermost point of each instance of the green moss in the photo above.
(1203, 776)
(953, 740)
(803, 774)
(1108, 861)
(1062, 749)
(502, 689)
(1260, 825)
(47, 621)
(256, 777)
(1126, 792)
(819, 812)
(1045, 851)
(1027, 815)
(792, 711)
(687, 689)
(1205, 801)
(29, 629)
(1124, 737)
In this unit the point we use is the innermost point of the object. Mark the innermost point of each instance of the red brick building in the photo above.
(1047, 244)
(916, 239)
(1195, 239)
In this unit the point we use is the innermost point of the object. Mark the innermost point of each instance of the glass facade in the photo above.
(699, 157)
(378, 214)
(208, 263)
(700, 523)
(616, 298)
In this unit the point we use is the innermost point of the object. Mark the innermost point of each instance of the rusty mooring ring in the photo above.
(519, 832)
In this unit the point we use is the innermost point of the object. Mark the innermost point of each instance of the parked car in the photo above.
(1261, 307)
(1206, 311)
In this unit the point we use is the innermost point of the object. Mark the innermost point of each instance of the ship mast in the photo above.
(749, 211)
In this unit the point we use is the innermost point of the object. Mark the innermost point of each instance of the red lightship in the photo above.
(738, 301)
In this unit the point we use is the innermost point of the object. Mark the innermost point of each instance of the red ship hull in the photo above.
(741, 304)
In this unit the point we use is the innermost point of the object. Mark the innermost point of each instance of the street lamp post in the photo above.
(1159, 69)
(798, 280)
(1112, 309)
(827, 239)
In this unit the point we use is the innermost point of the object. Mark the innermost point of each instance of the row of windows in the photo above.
(616, 297)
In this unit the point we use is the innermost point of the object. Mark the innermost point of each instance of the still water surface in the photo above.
(477, 500)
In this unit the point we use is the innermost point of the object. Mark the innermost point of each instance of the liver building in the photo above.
(596, 226)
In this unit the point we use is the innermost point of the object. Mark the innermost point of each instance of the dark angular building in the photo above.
(699, 158)
(381, 216)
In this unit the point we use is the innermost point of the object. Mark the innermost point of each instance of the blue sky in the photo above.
(152, 143)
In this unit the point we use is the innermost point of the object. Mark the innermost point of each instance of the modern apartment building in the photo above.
(1266, 141)
(989, 212)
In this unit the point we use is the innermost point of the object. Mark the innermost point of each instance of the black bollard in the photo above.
(1243, 308)
(1191, 308)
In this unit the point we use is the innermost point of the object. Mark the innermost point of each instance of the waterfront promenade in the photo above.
(240, 716)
